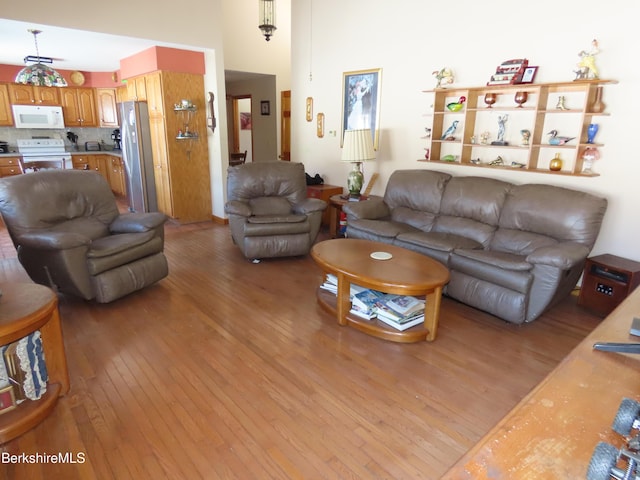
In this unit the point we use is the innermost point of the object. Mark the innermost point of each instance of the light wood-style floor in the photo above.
(229, 370)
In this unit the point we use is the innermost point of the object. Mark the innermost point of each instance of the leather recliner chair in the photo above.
(269, 212)
(69, 235)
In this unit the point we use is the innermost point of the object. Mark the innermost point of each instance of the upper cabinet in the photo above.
(30, 95)
(545, 128)
(78, 107)
(136, 88)
(6, 116)
(107, 112)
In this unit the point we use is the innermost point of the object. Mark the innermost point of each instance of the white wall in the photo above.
(411, 39)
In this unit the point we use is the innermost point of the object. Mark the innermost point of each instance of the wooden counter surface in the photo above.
(553, 431)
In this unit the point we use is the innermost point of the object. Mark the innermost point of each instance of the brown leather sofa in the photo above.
(69, 235)
(513, 250)
(269, 212)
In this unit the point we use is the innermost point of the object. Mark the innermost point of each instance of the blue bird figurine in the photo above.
(449, 131)
(556, 140)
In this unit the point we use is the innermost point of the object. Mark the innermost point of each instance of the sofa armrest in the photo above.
(53, 240)
(137, 222)
(235, 207)
(371, 209)
(563, 255)
(309, 205)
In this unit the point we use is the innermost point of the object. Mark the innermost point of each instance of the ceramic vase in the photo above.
(592, 130)
(598, 106)
(555, 164)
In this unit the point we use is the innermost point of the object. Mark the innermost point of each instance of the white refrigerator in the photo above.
(137, 156)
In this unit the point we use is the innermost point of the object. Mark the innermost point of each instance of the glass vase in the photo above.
(555, 165)
(592, 130)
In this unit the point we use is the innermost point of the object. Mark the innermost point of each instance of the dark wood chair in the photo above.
(237, 158)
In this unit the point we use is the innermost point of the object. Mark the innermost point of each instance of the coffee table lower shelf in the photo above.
(373, 327)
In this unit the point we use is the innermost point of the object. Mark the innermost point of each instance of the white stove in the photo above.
(42, 153)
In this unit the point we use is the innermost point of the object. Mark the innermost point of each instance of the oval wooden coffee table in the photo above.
(405, 273)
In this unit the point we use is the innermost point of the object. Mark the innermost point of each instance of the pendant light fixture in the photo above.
(267, 18)
(39, 74)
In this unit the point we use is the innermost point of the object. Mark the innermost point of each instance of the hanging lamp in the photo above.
(267, 18)
(38, 73)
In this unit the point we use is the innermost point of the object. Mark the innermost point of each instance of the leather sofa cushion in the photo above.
(419, 190)
(276, 228)
(519, 242)
(475, 198)
(479, 233)
(421, 220)
(505, 270)
(445, 242)
(269, 206)
(124, 258)
(508, 261)
(380, 228)
(88, 226)
(114, 244)
(282, 218)
(557, 212)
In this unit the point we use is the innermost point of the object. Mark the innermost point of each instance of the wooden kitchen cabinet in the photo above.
(137, 88)
(10, 166)
(78, 107)
(80, 162)
(6, 116)
(116, 175)
(107, 111)
(30, 95)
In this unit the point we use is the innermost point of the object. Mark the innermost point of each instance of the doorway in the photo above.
(285, 125)
(242, 126)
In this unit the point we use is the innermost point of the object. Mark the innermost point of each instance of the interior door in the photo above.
(285, 125)
(242, 126)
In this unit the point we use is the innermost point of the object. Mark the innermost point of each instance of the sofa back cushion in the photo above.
(540, 215)
(471, 207)
(267, 179)
(49, 198)
(413, 196)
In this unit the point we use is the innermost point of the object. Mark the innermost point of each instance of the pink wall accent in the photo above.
(149, 60)
(162, 58)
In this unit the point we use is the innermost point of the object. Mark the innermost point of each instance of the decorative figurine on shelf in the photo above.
(560, 105)
(475, 161)
(587, 69)
(484, 138)
(497, 162)
(456, 106)
(444, 76)
(526, 135)
(448, 134)
(592, 130)
(502, 119)
(427, 132)
(556, 140)
(590, 155)
(517, 165)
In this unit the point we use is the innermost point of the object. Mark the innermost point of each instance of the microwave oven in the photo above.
(32, 116)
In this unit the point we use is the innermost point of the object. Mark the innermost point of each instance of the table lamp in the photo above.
(357, 147)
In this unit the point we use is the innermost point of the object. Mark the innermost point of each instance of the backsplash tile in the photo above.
(11, 135)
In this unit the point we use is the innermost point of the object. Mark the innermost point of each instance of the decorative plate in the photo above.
(77, 78)
(381, 255)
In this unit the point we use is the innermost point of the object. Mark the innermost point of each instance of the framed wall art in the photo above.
(361, 102)
(529, 75)
(309, 109)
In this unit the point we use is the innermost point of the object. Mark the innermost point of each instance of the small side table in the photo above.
(607, 280)
(25, 308)
(336, 203)
(323, 192)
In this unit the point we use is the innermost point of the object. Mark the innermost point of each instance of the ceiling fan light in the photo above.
(40, 75)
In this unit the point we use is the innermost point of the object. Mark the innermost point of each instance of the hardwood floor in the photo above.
(230, 370)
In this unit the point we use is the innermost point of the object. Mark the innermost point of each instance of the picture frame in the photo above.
(265, 107)
(320, 125)
(361, 91)
(528, 75)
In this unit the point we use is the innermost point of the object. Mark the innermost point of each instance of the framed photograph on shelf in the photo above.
(528, 75)
(361, 102)
(265, 107)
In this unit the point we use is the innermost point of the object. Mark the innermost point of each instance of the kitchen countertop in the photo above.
(80, 151)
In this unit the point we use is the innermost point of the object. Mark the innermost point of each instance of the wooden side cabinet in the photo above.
(25, 308)
(607, 281)
(324, 192)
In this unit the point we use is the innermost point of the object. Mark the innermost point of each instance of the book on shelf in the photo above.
(331, 285)
(417, 320)
(359, 313)
(366, 300)
(405, 304)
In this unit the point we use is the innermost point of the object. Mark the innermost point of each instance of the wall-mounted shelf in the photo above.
(565, 107)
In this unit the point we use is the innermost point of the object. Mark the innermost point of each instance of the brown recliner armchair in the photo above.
(69, 235)
(269, 212)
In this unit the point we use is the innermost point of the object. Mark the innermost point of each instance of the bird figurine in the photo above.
(444, 76)
(448, 134)
(556, 140)
(456, 106)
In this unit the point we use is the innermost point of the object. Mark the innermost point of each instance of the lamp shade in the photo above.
(357, 146)
(40, 75)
